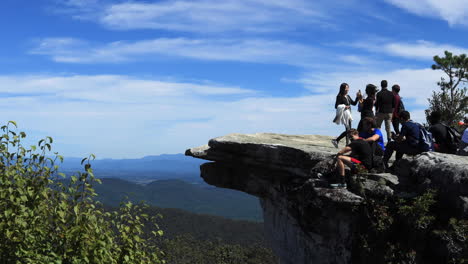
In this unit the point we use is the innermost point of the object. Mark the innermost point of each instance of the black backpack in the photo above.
(401, 106)
(453, 138)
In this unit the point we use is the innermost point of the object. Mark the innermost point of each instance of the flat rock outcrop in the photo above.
(305, 220)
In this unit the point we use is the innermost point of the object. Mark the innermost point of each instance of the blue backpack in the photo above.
(426, 141)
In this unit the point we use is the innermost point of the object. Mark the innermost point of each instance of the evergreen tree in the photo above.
(452, 100)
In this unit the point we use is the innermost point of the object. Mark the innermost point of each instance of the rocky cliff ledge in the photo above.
(306, 221)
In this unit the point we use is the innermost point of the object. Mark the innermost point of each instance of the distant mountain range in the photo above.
(143, 170)
(196, 198)
(167, 181)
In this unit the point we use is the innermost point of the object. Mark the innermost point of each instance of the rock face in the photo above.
(306, 221)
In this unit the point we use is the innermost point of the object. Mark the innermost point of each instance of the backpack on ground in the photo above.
(426, 141)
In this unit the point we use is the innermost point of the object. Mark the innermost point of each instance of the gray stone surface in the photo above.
(306, 221)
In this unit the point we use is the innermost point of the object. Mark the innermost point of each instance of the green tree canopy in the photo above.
(47, 220)
(451, 101)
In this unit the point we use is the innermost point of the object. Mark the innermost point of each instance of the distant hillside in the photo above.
(196, 238)
(197, 198)
(144, 170)
(177, 222)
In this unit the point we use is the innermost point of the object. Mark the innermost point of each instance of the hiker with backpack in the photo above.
(384, 105)
(407, 142)
(361, 154)
(446, 138)
(399, 107)
(343, 106)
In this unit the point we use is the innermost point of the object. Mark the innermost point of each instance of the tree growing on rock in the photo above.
(452, 100)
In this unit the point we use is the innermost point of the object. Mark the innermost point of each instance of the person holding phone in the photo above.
(344, 100)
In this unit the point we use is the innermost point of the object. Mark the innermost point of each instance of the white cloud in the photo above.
(118, 116)
(201, 15)
(453, 11)
(420, 50)
(123, 117)
(70, 50)
(109, 88)
(424, 50)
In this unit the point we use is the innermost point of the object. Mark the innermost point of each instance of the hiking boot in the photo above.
(335, 143)
(338, 185)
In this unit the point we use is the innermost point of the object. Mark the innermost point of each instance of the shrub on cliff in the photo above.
(44, 220)
(412, 230)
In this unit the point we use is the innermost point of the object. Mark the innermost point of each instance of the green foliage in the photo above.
(452, 100)
(43, 220)
(185, 249)
(417, 213)
(408, 231)
(455, 239)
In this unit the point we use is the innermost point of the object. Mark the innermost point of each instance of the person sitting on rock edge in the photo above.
(440, 133)
(405, 143)
(361, 154)
(369, 132)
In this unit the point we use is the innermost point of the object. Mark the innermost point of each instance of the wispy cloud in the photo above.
(119, 116)
(209, 15)
(131, 117)
(453, 11)
(109, 88)
(200, 15)
(70, 50)
(420, 50)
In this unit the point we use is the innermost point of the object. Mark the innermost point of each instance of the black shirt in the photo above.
(367, 108)
(361, 150)
(344, 99)
(439, 132)
(385, 102)
(441, 137)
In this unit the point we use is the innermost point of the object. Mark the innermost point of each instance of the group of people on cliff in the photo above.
(366, 143)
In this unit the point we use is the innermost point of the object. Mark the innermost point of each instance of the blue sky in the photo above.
(125, 79)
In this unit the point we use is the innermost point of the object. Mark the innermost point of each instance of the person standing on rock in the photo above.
(384, 106)
(367, 105)
(405, 143)
(361, 155)
(344, 102)
(396, 109)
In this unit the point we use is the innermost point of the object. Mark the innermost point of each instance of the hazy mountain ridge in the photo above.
(143, 170)
(172, 193)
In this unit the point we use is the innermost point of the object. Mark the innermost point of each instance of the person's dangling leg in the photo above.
(347, 129)
(337, 140)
